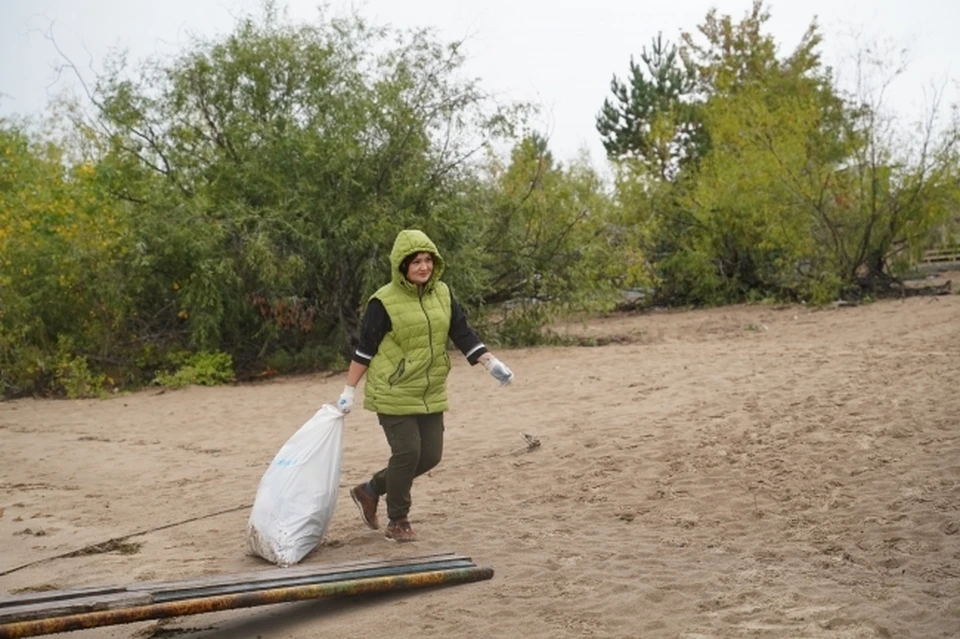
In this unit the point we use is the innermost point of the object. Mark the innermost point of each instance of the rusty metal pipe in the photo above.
(202, 605)
(366, 573)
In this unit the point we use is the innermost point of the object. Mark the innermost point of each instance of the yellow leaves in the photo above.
(176, 286)
(183, 314)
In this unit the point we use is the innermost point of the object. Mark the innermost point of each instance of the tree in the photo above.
(542, 240)
(875, 211)
(748, 232)
(653, 118)
(806, 192)
(270, 171)
(256, 183)
(63, 256)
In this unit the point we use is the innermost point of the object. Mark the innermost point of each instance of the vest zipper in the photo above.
(426, 391)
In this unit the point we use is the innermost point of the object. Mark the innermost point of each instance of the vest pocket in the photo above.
(398, 372)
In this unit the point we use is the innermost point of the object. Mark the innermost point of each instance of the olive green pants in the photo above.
(416, 446)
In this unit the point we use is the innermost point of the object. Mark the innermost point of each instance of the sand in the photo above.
(737, 472)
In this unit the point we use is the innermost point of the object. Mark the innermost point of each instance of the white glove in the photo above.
(498, 369)
(345, 403)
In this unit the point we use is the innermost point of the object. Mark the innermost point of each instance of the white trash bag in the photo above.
(298, 492)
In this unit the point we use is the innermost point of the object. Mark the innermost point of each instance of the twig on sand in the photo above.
(532, 441)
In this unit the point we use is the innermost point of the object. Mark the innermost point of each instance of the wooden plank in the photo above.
(945, 254)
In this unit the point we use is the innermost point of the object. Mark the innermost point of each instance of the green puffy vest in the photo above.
(408, 375)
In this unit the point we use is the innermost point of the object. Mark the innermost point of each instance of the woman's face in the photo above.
(420, 269)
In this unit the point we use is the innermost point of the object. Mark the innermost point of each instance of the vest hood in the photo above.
(408, 242)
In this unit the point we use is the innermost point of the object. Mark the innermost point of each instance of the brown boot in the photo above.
(367, 504)
(400, 530)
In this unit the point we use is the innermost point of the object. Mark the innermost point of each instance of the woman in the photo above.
(403, 352)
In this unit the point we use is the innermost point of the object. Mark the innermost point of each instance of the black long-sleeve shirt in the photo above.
(376, 324)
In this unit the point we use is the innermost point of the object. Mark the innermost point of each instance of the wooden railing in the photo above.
(941, 255)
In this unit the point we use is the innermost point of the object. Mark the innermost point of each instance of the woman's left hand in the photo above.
(497, 368)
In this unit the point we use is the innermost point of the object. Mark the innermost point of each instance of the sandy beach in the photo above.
(750, 471)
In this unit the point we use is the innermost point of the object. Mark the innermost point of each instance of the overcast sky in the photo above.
(560, 54)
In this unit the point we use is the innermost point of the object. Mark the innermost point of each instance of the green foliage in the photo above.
(542, 241)
(277, 166)
(72, 375)
(523, 325)
(227, 212)
(63, 255)
(803, 193)
(200, 369)
(242, 198)
(735, 56)
(653, 117)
